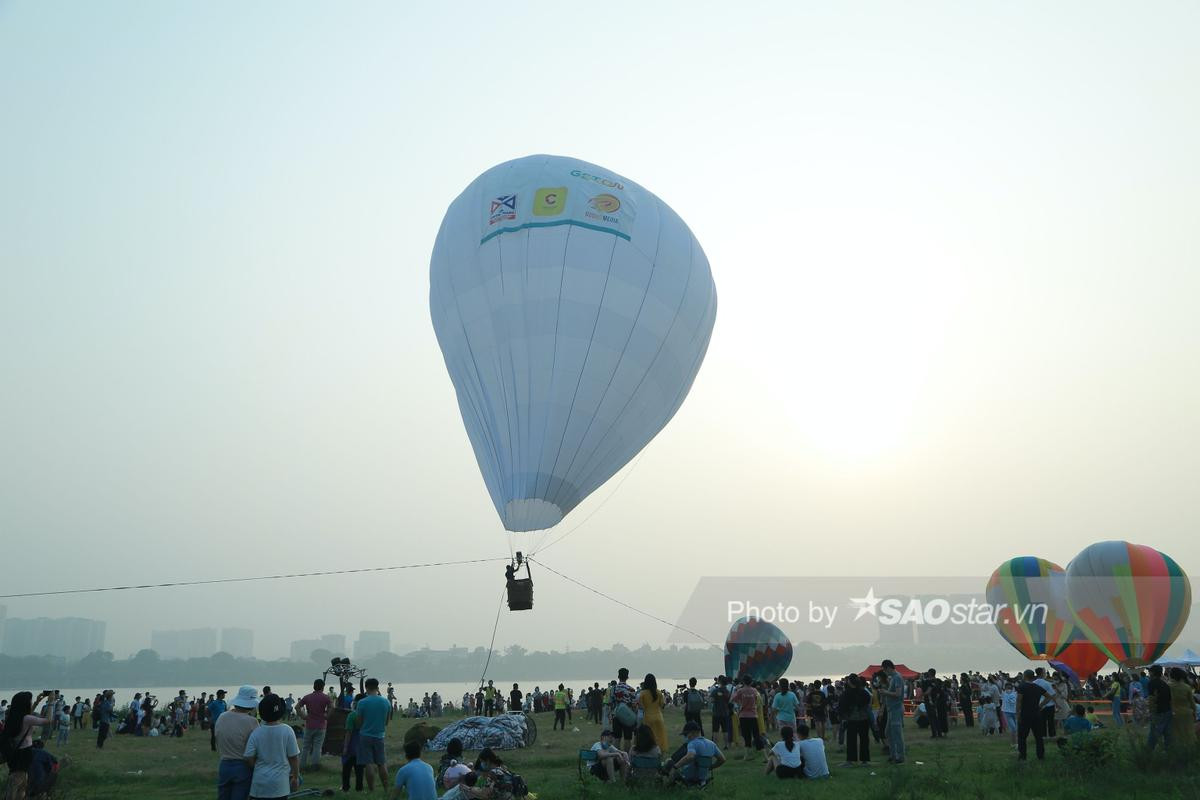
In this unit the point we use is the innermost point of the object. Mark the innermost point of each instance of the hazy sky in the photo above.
(956, 249)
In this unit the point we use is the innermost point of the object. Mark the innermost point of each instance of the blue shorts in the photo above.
(370, 751)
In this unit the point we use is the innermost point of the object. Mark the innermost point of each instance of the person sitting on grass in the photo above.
(464, 789)
(812, 753)
(646, 746)
(784, 759)
(415, 775)
(451, 758)
(683, 768)
(610, 759)
(1077, 722)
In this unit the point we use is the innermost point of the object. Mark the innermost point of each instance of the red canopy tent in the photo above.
(904, 671)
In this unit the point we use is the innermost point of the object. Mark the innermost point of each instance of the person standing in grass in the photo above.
(313, 709)
(19, 723)
(230, 733)
(746, 700)
(273, 753)
(893, 702)
(102, 712)
(372, 713)
(650, 699)
(1160, 708)
(560, 708)
(215, 708)
(1031, 697)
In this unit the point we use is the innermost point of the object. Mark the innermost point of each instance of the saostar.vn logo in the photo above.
(940, 611)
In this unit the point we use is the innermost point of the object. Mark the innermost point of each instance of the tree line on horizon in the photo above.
(515, 663)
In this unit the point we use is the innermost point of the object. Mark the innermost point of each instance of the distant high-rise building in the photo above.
(71, 638)
(238, 642)
(371, 643)
(194, 643)
(302, 649)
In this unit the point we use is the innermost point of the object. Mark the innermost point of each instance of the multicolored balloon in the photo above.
(1029, 594)
(757, 648)
(1130, 600)
(1083, 657)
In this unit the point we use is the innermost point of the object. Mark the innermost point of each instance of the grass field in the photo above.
(964, 765)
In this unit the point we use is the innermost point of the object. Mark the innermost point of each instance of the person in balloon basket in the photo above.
(1160, 708)
(1031, 702)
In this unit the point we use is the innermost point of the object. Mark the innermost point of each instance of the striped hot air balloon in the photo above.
(757, 648)
(1130, 600)
(1033, 616)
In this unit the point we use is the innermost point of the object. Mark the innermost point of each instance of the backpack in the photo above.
(693, 702)
(519, 787)
(625, 715)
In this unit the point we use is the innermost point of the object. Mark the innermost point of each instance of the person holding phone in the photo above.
(19, 723)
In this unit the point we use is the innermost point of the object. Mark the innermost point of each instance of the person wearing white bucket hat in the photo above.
(231, 732)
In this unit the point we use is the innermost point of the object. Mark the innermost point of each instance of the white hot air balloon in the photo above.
(573, 309)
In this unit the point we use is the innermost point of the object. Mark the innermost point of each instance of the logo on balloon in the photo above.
(597, 179)
(605, 203)
(549, 201)
(504, 208)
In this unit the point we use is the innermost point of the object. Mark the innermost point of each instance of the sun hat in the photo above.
(247, 697)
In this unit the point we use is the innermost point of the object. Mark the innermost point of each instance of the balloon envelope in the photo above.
(1083, 657)
(1130, 600)
(1029, 596)
(573, 309)
(758, 649)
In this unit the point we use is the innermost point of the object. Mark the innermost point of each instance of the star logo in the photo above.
(866, 605)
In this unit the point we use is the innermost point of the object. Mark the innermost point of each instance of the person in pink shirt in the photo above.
(314, 710)
(746, 699)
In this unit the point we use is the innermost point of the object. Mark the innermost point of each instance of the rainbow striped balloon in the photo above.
(757, 648)
(1032, 614)
(1130, 600)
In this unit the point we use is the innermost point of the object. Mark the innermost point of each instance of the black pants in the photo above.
(77, 722)
(347, 765)
(858, 741)
(560, 717)
(749, 728)
(1036, 726)
(789, 772)
(968, 713)
(102, 735)
(694, 716)
(1048, 721)
(212, 737)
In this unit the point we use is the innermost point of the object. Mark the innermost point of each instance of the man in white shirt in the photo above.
(812, 752)
(1048, 700)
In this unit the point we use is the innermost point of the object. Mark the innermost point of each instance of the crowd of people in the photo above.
(784, 725)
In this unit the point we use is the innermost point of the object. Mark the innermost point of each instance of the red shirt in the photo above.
(317, 705)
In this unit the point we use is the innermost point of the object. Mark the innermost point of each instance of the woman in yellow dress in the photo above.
(651, 701)
(1183, 710)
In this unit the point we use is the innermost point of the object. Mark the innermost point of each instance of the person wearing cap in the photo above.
(231, 731)
(273, 752)
(684, 768)
(609, 758)
(215, 708)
